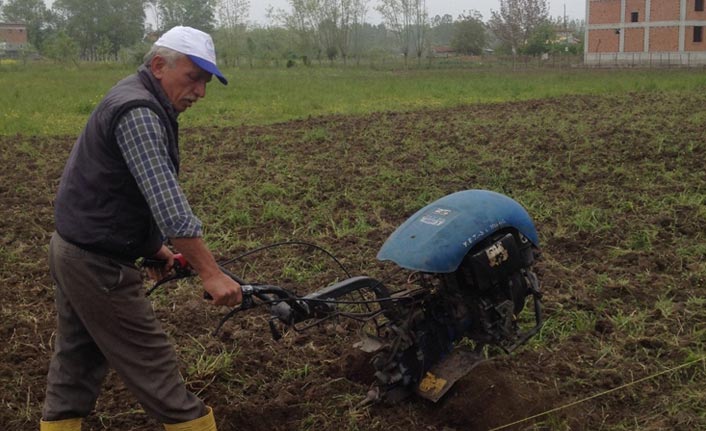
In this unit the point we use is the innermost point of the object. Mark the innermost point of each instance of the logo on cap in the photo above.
(210, 48)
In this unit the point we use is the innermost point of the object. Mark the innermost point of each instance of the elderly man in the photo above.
(119, 200)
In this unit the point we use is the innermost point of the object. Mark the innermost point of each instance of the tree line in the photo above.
(311, 30)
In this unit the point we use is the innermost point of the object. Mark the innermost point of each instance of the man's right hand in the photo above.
(223, 290)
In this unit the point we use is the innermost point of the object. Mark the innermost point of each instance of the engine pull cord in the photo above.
(286, 243)
(600, 394)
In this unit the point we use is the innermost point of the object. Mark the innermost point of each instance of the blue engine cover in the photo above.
(437, 237)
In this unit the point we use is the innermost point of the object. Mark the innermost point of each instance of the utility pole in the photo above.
(565, 27)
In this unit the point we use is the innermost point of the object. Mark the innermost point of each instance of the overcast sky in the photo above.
(575, 9)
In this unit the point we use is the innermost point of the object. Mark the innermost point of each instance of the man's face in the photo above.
(184, 83)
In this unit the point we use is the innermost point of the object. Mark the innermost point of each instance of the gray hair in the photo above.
(168, 54)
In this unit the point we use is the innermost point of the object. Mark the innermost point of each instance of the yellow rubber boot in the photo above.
(73, 424)
(204, 423)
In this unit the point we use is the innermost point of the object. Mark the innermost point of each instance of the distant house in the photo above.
(638, 32)
(443, 51)
(13, 39)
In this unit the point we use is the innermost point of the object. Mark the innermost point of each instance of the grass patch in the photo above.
(55, 100)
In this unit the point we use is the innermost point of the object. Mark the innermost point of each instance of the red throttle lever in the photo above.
(181, 265)
(181, 268)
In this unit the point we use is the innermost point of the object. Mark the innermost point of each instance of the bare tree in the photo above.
(350, 15)
(517, 20)
(153, 7)
(325, 25)
(421, 25)
(327, 18)
(300, 22)
(232, 15)
(398, 19)
(360, 11)
(408, 21)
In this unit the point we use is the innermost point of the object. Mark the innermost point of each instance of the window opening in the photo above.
(634, 16)
(699, 5)
(698, 33)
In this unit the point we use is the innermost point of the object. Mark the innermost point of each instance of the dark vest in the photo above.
(99, 206)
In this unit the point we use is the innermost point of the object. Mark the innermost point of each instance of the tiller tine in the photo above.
(439, 379)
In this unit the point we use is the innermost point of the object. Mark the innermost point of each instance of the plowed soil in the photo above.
(615, 185)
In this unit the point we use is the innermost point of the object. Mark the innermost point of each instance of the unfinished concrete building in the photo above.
(645, 32)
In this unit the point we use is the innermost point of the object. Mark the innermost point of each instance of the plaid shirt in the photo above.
(143, 144)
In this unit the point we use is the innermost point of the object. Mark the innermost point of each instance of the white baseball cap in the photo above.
(196, 45)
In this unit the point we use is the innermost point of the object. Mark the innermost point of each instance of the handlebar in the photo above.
(275, 296)
(266, 294)
(285, 306)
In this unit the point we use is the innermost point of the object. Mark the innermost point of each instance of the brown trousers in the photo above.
(105, 320)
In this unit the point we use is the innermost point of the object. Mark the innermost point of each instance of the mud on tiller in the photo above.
(469, 256)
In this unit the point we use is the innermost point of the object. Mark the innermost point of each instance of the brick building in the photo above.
(13, 38)
(639, 32)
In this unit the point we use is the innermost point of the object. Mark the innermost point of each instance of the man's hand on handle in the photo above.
(158, 272)
(223, 289)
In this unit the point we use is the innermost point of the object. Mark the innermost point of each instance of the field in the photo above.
(612, 174)
(50, 100)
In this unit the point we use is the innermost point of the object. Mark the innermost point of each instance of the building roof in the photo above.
(12, 25)
(443, 50)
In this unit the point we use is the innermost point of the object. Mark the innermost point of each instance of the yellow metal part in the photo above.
(73, 424)
(431, 384)
(204, 423)
(439, 379)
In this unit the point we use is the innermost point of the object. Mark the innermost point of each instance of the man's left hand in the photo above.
(158, 273)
